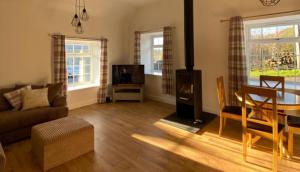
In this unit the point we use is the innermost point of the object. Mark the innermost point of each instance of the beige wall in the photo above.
(210, 37)
(26, 47)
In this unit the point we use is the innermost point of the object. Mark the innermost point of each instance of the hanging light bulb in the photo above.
(78, 28)
(75, 20)
(269, 2)
(84, 15)
(79, 16)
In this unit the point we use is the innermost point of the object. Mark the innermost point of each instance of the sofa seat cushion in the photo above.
(12, 120)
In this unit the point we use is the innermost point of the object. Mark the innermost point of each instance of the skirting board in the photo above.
(166, 99)
(80, 104)
(172, 100)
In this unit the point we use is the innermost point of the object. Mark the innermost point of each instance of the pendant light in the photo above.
(269, 2)
(79, 16)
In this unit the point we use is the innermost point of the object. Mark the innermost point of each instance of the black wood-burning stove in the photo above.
(189, 81)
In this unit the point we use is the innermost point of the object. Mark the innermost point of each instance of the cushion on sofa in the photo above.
(18, 86)
(35, 98)
(15, 97)
(54, 89)
(4, 104)
(12, 120)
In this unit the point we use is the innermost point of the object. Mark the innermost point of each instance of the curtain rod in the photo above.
(158, 29)
(264, 15)
(74, 37)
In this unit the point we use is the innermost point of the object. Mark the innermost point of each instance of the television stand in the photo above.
(128, 92)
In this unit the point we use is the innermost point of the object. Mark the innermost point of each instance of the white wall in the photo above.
(26, 47)
(210, 37)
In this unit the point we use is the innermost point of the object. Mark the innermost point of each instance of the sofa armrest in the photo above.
(2, 159)
(59, 101)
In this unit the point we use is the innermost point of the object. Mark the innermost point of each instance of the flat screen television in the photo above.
(128, 74)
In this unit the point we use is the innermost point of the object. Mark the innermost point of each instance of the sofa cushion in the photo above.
(4, 104)
(15, 97)
(12, 120)
(18, 86)
(35, 98)
(54, 89)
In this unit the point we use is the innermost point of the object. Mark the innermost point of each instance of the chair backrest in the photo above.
(265, 81)
(221, 92)
(263, 104)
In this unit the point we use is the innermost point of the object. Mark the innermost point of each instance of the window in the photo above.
(152, 52)
(82, 63)
(272, 48)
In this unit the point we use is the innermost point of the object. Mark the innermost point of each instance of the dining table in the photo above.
(285, 101)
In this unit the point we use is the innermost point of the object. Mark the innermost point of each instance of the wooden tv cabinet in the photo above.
(128, 92)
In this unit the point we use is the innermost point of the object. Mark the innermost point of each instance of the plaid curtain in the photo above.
(103, 72)
(59, 61)
(137, 47)
(236, 58)
(167, 68)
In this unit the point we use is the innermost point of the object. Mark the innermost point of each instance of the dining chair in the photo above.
(279, 84)
(262, 121)
(278, 81)
(231, 112)
(293, 128)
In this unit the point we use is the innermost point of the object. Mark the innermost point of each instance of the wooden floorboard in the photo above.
(130, 137)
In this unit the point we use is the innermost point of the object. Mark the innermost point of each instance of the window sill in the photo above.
(81, 87)
(153, 74)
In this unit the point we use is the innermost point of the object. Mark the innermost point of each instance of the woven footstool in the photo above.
(2, 159)
(59, 141)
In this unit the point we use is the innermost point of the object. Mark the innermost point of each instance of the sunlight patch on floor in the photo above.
(198, 154)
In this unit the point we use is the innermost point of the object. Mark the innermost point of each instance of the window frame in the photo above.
(153, 46)
(271, 23)
(82, 56)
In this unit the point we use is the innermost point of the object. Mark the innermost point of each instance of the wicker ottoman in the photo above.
(58, 141)
(2, 159)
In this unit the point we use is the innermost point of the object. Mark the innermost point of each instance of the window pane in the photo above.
(158, 41)
(87, 69)
(85, 48)
(276, 59)
(69, 48)
(256, 33)
(77, 48)
(157, 54)
(87, 78)
(76, 79)
(87, 60)
(76, 70)
(70, 61)
(157, 59)
(286, 31)
(70, 80)
(77, 61)
(269, 32)
(70, 70)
